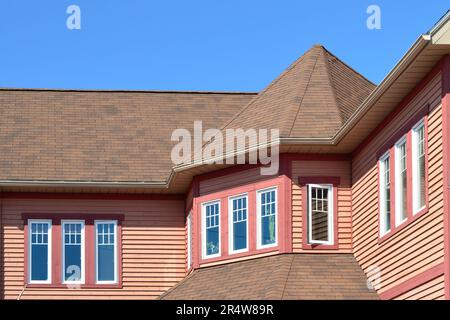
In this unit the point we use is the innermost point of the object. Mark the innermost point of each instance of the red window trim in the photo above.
(283, 237)
(303, 182)
(411, 217)
(56, 244)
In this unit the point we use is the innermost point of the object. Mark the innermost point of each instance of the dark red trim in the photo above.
(303, 182)
(89, 196)
(56, 258)
(335, 181)
(399, 108)
(446, 171)
(413, 282)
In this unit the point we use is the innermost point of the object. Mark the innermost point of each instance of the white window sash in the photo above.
(330, 215)
(259, 244)
(204, 251)
(231, 224)
(83, 244)
(398, 191)
(96, 223)
(382, 195)
(415, 167)
(49, 251)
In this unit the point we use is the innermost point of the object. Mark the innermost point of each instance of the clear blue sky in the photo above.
(197, 45)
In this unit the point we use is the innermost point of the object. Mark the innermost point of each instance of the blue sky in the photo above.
(215, 45)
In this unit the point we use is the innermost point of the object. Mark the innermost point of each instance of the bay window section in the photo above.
(267, 218)
(189, 240)
(106, 251)
(400, 182)
(39, 253)
(385, 194)
(418, 161)
(320, 214)
(238, 215)
(211, 229)
(73, 251)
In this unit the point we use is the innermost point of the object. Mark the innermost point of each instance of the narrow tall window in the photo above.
(189, 240)
(267, 218)
(106, 251)
(211, 229)
(400, 182)
(73, 251)
(320, 214)
(385, 195)
(39, 251)
(238, 224)
(418, 154)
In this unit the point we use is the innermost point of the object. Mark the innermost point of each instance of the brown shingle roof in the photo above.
(100, 135)
(121, 136)
(312, 98)
(287, 276)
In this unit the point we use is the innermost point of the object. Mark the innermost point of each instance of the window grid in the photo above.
(72, 233)
(212, 215)
(239, 209)
(39, 233)
(105, 234)
(268, 203)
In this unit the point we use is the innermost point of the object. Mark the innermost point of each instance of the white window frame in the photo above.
(259, 245)
(381, 195)
(397, 192)
(49, 252)
(204, 255)
(189, 240)
(415, 167)
(116, 262)
(231, 224)
(330, 215)
(83, 256)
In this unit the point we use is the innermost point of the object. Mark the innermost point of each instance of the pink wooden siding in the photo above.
(153, 246)
(419, 246)
(333, 168)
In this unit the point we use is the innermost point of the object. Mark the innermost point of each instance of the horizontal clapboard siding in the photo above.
(153, 246)
(322, 168)
(420, 245)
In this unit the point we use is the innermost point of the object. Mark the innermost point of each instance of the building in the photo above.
(92, 206)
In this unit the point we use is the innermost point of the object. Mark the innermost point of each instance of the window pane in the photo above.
(72, 251)
(106, 253)
(319, 214)
(401, 165)
(212, 244)
(239, 216)
(212, 241)
(39, 251)
(268, 217)
(39, 262)
(385, 204)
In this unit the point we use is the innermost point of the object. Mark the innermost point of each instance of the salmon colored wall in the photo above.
(153, 245)
(340, 169)
(411, 252)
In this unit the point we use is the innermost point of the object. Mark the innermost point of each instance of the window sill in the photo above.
(410, 220)
(73, 285)
(307, 246)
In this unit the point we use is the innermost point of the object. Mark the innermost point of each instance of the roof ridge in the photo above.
(348, 66)
(304, 92)
(270, 85)
(127, 91)
(325, 54)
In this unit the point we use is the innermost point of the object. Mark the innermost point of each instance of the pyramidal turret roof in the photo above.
(312, 98)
